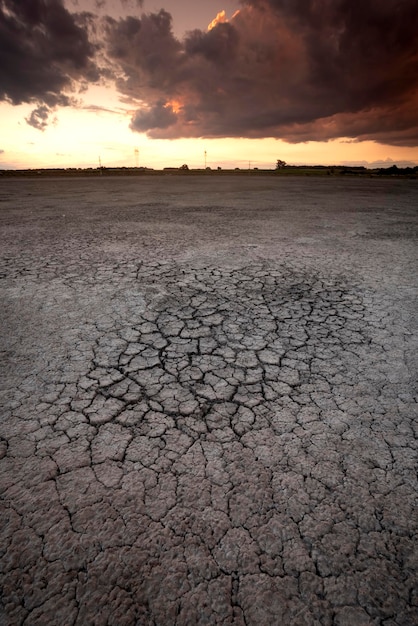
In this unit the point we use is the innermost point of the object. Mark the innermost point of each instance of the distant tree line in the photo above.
(394, 170)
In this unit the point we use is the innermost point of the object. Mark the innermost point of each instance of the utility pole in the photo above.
(206, 154)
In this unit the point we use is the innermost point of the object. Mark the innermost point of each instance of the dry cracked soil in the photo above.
(208, 401)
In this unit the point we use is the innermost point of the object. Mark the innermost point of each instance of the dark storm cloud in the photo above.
(291, 69)
(39, 117)
(298, 70)
(158, 116)
(43, 49)
(219, 45)
(146, 50)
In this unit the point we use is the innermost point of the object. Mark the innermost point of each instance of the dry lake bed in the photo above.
(209, 401)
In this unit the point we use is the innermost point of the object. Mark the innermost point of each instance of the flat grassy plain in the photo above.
(208, 400)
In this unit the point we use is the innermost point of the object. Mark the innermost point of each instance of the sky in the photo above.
(228, 83)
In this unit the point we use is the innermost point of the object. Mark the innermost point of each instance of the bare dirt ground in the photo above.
(209, 401)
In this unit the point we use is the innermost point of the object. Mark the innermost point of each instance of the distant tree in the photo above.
(184, 167)
(280, 164)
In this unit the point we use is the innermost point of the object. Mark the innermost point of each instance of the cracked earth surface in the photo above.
(209, 402)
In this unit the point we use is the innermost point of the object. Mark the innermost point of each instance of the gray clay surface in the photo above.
(208, 401)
